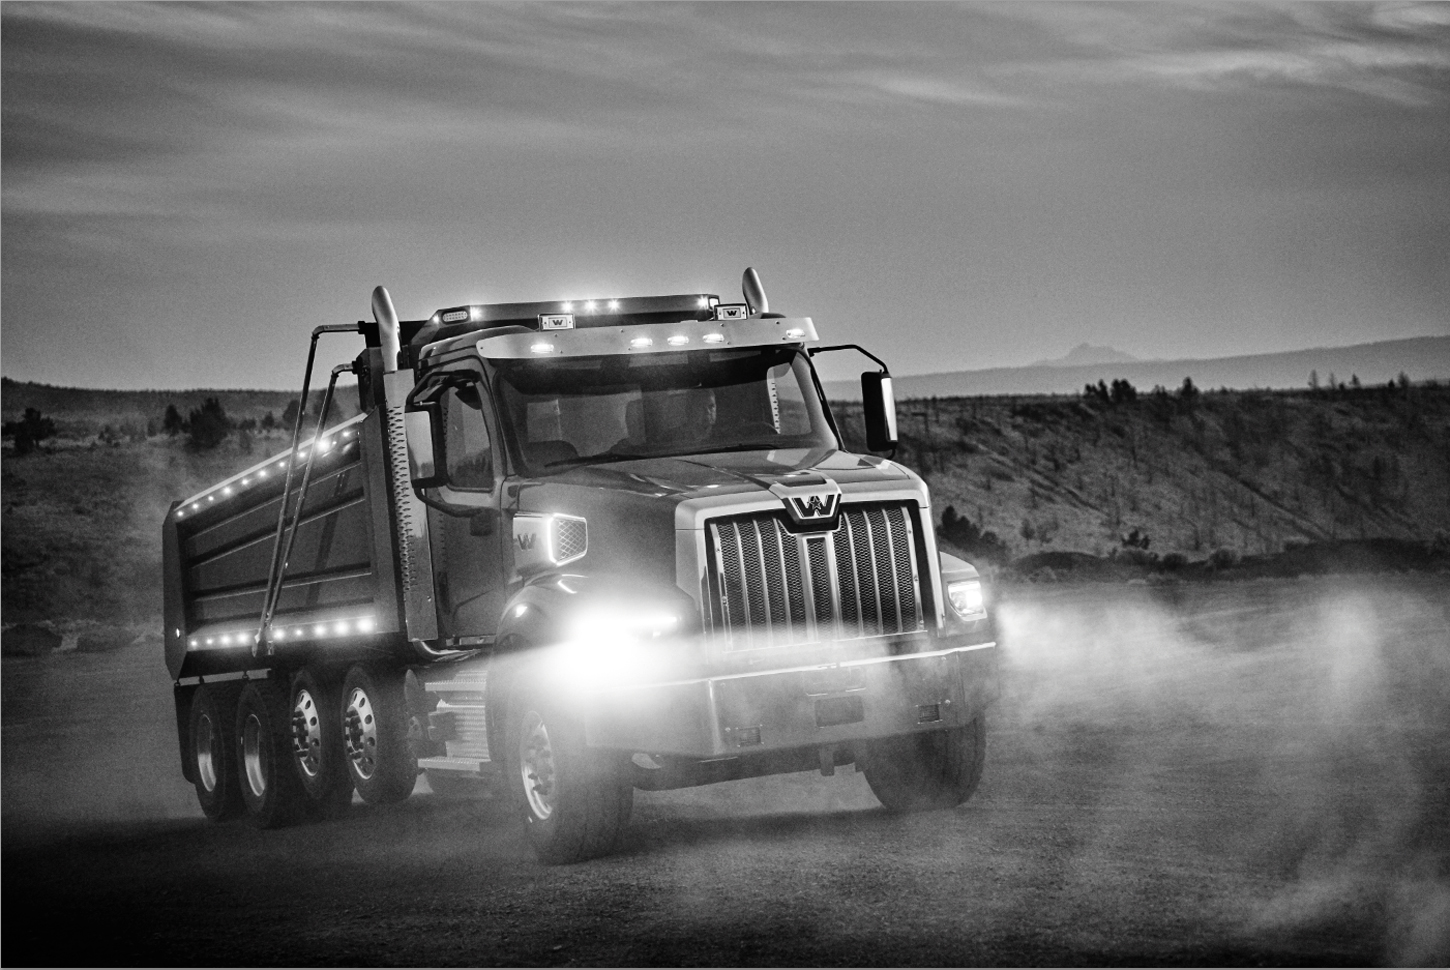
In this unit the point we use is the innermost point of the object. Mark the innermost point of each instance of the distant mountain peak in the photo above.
(1087, 355)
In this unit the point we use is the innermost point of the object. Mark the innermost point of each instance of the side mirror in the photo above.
(878, 404)
(425, 450)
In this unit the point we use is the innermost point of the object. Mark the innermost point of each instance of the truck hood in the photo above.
(727, 473)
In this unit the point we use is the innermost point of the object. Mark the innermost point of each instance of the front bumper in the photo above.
(792, 707)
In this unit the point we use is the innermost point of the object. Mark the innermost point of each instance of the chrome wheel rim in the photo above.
(536, 766)
(307, 733)
(254, 758)
(206, 737)
(362, 734)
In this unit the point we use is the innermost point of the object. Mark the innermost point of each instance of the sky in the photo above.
(187, 190)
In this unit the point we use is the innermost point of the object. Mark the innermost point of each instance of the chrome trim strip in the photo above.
(710, 682)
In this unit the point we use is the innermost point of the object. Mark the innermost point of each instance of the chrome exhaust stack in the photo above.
(415, 552)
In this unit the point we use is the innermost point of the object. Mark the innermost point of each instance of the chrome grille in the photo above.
(771, 587)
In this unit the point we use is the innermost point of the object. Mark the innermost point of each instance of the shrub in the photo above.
(29, 431)
(209, 426)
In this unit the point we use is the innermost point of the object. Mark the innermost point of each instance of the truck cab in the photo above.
(609, 545)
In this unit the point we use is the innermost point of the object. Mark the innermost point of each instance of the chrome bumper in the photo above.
(793, 707)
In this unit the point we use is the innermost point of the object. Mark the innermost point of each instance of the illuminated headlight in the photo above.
(966, 598)
(641, 623)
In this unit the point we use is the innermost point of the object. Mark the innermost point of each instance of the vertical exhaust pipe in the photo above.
(388, 330)
(415, 551)
(754, 291)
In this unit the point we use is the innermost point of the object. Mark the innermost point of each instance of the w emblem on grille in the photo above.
(815, 506)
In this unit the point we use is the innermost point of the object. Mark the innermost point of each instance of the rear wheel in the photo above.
(317, 750)
(270, 787)
(920, 772)
(575, 802)
(213, 751)
(375, 735)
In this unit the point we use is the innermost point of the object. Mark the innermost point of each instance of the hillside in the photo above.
(1243, 472)
(1246, 471)
(1420, 358)
(81, 412)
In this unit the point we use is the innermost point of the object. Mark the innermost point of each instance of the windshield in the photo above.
(569, 411)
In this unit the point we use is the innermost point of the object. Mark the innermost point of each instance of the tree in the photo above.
(1187, 395)
(29, 431)
(964, 535)
(268, 421)
(1314, 380)
(173, 423)
(1123, 392)
(289, 416)
(208, 427)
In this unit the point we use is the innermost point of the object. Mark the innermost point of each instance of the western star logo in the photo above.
(815, 506)
(526, 541)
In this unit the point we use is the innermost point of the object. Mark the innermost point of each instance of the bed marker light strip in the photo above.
(227, 491)
(329, 628)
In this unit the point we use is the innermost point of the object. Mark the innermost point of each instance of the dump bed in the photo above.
(339, 590)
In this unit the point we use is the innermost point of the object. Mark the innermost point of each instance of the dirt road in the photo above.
(1224, 774)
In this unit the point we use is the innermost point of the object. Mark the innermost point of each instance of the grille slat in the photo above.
(860, 581)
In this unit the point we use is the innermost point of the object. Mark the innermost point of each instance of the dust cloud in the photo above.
(1317, 713)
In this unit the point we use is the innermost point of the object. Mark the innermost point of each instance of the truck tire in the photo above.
(375, 735)
(932, 770)
(317, 751)
(271, 790)
(575, 802)
(211, 730)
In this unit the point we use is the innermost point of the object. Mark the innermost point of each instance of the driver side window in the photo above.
(466, 443)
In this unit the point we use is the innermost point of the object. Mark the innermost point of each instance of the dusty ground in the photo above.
(1243, 774)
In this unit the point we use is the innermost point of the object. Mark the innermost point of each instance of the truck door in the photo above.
(464, 519)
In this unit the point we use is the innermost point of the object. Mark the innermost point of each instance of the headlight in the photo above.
(965, 595)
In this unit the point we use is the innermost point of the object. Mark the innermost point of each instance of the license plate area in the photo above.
(833, 711)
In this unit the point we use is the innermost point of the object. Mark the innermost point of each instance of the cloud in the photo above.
(1398, 52)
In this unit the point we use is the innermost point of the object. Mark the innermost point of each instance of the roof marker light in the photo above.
(319, 629)
(210, 641)
(713, 338)
(678, 340)
(639, 343)
(614, 304)
(704, 302)
(365, 625)
(227, 490)
(542, 347)
(279, 634)
(590, 306)
(193, 641)
(195, 506)
(339, 627)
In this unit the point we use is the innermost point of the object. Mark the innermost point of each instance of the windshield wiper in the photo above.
(604, 457)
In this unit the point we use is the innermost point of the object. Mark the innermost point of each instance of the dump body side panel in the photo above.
(338, 592)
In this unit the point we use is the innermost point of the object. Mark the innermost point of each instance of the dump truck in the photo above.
(569, 550)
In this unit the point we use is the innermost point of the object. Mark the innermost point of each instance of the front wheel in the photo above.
(931, 770)
(575, 802)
